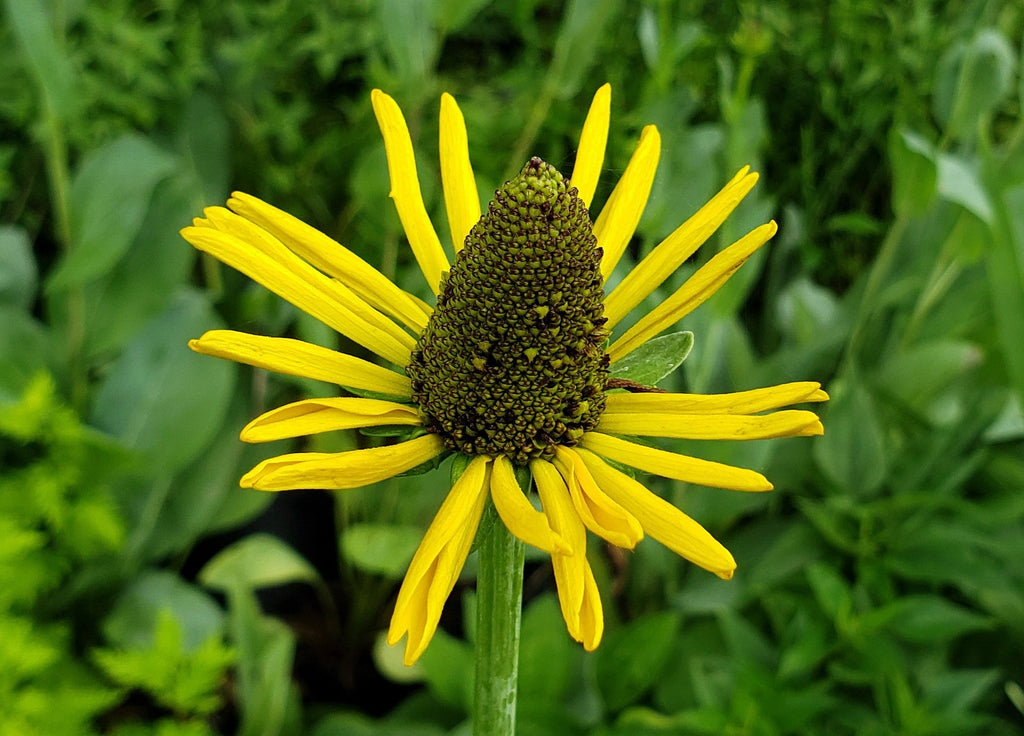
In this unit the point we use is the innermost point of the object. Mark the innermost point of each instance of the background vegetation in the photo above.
(880, 589)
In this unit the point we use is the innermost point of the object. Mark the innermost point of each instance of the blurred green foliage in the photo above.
(880, 588)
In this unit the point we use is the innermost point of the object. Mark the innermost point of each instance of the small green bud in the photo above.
(512, 360)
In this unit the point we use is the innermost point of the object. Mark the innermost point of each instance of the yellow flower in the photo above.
(567, 437)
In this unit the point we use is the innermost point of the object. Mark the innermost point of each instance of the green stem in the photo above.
(499, 606)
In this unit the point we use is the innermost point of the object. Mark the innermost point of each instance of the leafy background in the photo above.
(880, 588)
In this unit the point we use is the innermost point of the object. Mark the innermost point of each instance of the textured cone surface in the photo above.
(512, 360)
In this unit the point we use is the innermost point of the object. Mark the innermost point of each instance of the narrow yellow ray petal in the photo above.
(671, 465)
(292, 279)
(598, 512)
(708, 279)
(461, 197)
(338, 470)
(297, 358)
(519, 515)
(662, 520)
(334, 259)
(591, 611)
(312, 416)
(554, 497)
(435, 567)
(593, 140)
(621, 213)
(663, 261)
(785, 423)
(405, 189)
(738, 402)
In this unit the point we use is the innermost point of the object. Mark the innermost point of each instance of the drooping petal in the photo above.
(785, 423)
(405, 189)
(334, 259)
(663, 261)
(693, 293)
(297, 358)
(593, 140)
(578, 595)
(338, 470)
(461, 197)
(554, 498)
(435, 567)
(672, 465)
(518, 514)
(591, 611)
(275, 267)
(662, 520)
(312, 416)
(621, 213)
(738, 402)
(599, 513)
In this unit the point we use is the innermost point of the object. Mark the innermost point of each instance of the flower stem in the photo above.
(499, 606)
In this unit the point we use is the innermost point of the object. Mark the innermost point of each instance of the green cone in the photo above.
(512, 360)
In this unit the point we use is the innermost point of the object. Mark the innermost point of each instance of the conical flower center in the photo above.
(512, 360)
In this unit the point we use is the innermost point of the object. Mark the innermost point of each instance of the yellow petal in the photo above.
(292, 279)
(738, 402)
(461, 197)
(785, 423)
(593, 140)
(693, 293)
(337, 470)
(621, 213)
(297, 358)
(554, 497)
(671, 465)
(405, 189)
(663, 261)
(435, 567)
(662, 520)
(334, 259)
(599, 513)
(313, 416)
(519, 515)
(591, 611)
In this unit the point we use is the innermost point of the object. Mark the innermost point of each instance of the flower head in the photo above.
(510, 368)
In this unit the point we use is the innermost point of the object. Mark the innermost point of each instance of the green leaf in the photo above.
(547, 656)
(204, 139)
(108, 199)
(159, 397)
(830, 590)
(655, 359)
(257, 561)
(188, 682)
(141, 284)
(410, 38)
(927, 619)
(448, 668)
(26, 350)
(914, 171)
(132, 621)
(919, 374)
(960, 182)
(382, 549)
(266, 653)
(632, 658)
(46, 58)
(575, 51)
(17, 268)
(1004, 265)
(852, 453)
(972, 79)
(451, 16)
